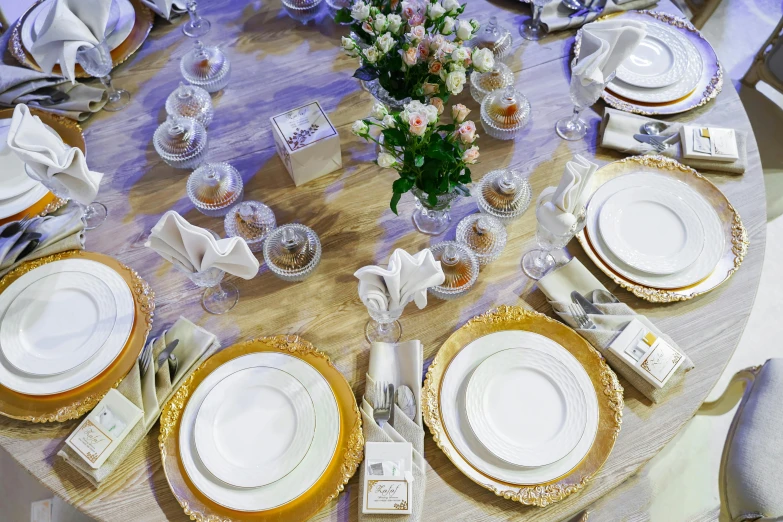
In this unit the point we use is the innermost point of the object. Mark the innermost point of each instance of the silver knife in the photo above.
(166, 351)
(589, 307)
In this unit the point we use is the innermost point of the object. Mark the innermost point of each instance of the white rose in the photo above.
(455, 81)
(475, 25)
(448, 26)
(395, 22)
(385, 42)
(371, 55)
(380, 23)
(431, 112)
(389, 121)
(435, 11)
(360, 128)
(360, 11)
(386, 160)
(464, 30)
(451, 6)
(349, 46)
(379, 111)
(460, 54)
(483, 60)
(412, 107)
(416, 34)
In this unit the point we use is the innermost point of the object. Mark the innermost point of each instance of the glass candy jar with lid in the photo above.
(460, 266)
(484, 235)
(252, 221)
(215, 188)
(504, 113)
(481, 84)
(503, 194)
(206, 66)
(494, 37)
(292, 251)
(181, 142)
(190, 101)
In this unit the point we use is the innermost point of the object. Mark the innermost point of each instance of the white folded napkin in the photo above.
(69, 25)
(45, 153)
(558, 17)
(164, 7)
(196, 249)
(605, 45)
(558, 209)
(406, 278)
(557, 286)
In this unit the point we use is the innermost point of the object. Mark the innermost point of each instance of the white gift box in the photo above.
(307, 142)
(388, 478)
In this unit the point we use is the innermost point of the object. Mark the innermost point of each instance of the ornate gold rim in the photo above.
(141, 29)
(608, 390)
(698, 97)
(346, 459)
(736, 235)
(75, 403)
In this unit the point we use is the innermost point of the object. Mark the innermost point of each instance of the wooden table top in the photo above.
(279, 64)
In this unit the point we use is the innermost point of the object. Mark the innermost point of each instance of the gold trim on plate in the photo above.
(735, 234)
(608, 390)
(347, 456)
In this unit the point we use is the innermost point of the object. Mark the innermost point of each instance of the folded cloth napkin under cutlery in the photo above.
(618, 128)
(45, 153)
(69, 25)
(558, 17)
(558, 208)
(573, 276)
(406, 278)
(39, 237)
(150, 392)
(168, 9)
(605, 45)
(195, 249)
(399, 364)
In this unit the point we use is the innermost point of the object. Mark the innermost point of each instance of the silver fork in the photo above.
(382, 410)
(659, 142)
(145, 357)
(580, 316)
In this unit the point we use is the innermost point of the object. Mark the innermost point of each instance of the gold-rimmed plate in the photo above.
(609, 394)
(735, 244)
(343, 464)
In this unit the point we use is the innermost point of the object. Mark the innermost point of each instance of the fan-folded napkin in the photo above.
(164, 7)
(558, 17)
(45, 153)
(406, 278)
(605, 45)
(196, 249)
(573, 276)
(69, 25)
(618, 128)
(558, 208)
(150, 393)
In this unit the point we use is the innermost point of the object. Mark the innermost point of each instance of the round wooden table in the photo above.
(279, 64)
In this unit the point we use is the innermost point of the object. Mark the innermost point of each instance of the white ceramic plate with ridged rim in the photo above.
(651, 230)
(302, 477)
(14, 181)
(526, 433)
(453, 412)
(57, 323)
(660, 59)
(14, 379)
(255, 426)
(714, 240)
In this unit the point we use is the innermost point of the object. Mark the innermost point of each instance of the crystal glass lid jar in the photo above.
(503, 194)
(494, 37)
(292, 251)
(214, 188)
(181, 142)
(206, 66)
(302, 10)
(190, 101)
(460, 266)
(482, 84)
(484, 235)
(252, 221)
(504, 112)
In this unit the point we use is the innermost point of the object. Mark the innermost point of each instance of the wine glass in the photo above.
(196, 27)
(93, 214)
(219, 296)
(96, 61)
(532, 28)
(384, 325)
(536, 263)
(574, 128)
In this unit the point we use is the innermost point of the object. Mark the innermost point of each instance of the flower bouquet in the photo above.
(414, 49)
(432, 159)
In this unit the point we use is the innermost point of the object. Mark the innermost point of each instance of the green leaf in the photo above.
(366, 73)
(394, 200)
(393, 138)
(446, 128)
(402, 185)
(343, 16)
(419, 161)
(432, 199)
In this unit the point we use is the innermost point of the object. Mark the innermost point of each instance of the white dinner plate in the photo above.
(658, 61)
(303, 476)
(651, 230)
(710, 221)
(526, 432)
(57, 323)
(11, 377)
(255, 426)
(453, 409)
(14, 181)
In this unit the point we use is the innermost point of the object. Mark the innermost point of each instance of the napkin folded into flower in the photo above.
(558, 17)
(69, 25)
(618, 128)
(399, 364)
(41, 236)
(195, 249)
(605, 45)
(573, 276)
(558, 208)
(150, 393)
(406, 278)
(50, 159)
(168, 9)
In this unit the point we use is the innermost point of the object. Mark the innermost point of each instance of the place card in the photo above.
(388, 478)
(712, 143)
(307, 142)
(651, 357)
(104, 428)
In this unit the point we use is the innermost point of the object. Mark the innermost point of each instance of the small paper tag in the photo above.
(662, 360)
(387, 495)
(90, 441)
(701, 143)
(725, 142)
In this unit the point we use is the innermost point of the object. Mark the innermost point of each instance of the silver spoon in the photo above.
(654, 128)
(173, 365)
(604, 297)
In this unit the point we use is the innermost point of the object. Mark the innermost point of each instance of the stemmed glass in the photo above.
(219, 296)
(96, 61)
(196, 27)
(536, 263)
(532, 29)
(93, 214)
(384, 325)
(574, 128)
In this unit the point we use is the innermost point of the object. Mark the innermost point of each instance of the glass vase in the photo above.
(383, 326)
(432, 219)
(375, 88)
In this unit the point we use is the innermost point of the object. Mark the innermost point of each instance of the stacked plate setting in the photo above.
(259, 431)
(18, 191)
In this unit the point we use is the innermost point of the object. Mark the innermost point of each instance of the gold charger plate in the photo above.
(141, 28)
(71, 134)
(735, 234)
(75, 403)
(608, 390)
(347, 456)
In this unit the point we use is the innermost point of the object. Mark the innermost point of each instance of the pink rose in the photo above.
(416, 20)
(418, 124)
(471, 155)
(408, 13)
(438, 104)
(410, 56)
(430, 88)
(436, 42)
(424, 51)
(459, 112)
(467, 132)
(436, 67)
